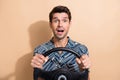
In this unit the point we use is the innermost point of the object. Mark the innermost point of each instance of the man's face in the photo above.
(60, 25)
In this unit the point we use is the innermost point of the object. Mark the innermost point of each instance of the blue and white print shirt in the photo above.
(63, 60)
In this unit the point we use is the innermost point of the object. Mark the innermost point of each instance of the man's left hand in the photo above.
(83, 62)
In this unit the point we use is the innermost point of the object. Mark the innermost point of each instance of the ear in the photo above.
(70, 23)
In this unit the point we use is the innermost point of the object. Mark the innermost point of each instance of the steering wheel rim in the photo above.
(47, 53)
(61, 49)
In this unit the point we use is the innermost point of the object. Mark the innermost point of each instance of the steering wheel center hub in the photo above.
(62, 77)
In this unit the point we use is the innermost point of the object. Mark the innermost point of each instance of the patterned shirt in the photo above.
(66, 59)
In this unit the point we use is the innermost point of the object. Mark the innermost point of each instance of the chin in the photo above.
(60, 37)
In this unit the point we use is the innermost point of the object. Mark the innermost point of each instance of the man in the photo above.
(60, 21)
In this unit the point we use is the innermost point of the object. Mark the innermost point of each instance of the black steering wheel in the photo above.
(63, 73)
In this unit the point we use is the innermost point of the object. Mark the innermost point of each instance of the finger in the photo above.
(41, 56)
(86, 63)
(83, 65)
(87, 66)
(84, 59)
(36, 64)
(84, 56)
(37, 61)
(45, 59)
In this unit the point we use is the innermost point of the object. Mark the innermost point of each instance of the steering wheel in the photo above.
(63, 73)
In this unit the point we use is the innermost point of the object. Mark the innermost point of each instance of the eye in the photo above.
(55, 20)
(65, 20)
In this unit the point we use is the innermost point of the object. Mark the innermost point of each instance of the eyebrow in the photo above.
(57, 17)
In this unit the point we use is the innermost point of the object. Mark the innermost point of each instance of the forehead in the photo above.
(60, 15)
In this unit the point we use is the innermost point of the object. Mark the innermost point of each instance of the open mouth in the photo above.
(60, 30)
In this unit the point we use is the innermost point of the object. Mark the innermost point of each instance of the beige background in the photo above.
(24, 25)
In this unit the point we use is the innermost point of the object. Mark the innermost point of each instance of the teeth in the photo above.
(60, 30)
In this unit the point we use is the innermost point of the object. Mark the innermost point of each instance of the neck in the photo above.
(61, 42)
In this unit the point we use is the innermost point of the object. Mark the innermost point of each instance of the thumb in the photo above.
(46, 59)
(78, 61)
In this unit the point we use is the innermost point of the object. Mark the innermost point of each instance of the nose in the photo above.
(60, 24)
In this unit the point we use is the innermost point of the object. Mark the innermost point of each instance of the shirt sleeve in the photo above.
(40, 49)
(81, 49)
(84, 49)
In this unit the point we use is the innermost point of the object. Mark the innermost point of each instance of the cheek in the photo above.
(53, 26)
(67, 27)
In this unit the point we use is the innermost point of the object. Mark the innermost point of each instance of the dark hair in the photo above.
(59, 9)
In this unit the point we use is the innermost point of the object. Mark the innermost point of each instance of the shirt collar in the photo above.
(70, 43)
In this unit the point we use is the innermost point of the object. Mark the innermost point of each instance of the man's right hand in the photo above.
(38, 60)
